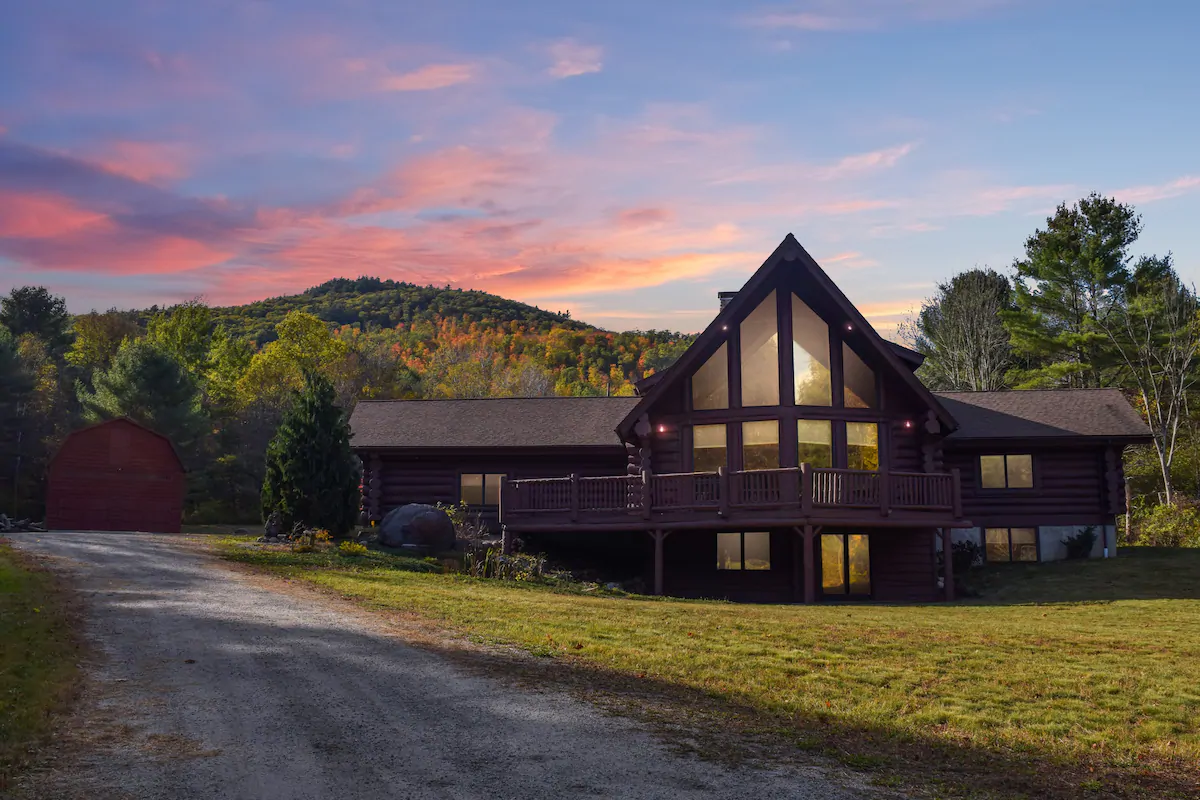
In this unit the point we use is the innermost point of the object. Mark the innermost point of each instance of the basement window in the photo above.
(744, 551)
(1010, 544)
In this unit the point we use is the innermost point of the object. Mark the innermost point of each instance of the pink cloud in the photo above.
(573, 58)
(428, 78)
(849, 260)
(44, 216)
(151, 162)
(1162, 191)
(642, 217)
(824, 16)
(860, 163)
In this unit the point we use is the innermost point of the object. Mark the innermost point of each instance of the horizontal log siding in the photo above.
(903, 566)
(1069, 487)
(666, 450)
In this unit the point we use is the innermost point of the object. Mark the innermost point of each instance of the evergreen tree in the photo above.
(16, 390)
(32, 309)
(150, 387)
(312, 476)
(1074, 275)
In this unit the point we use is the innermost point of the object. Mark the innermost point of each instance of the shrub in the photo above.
(966, 555)
(493, 563)
(352, 549)
(1168, 526)
(1080, 545)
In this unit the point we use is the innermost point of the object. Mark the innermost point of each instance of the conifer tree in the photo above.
(312, 476)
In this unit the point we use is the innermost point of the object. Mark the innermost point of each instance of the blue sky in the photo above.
(623, 160)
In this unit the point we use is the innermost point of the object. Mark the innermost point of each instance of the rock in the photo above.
(420, 525)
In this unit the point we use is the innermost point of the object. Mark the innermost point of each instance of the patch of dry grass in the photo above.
(38, 658)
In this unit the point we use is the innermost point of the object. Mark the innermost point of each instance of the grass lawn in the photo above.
(1061, 679)
(38, 655)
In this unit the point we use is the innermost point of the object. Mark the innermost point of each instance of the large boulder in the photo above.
(417, 525)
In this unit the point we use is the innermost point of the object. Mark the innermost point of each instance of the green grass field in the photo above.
(1066, 679)
(38, 655)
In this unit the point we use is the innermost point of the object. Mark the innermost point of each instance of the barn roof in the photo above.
(1044, 413)
(114, 421)
(511, 422)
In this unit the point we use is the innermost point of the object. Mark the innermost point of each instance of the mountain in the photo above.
(373, 303)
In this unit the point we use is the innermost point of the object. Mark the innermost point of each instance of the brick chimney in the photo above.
(725, 297)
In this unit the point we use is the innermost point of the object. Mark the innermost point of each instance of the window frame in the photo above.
(1037, 543)
(1033, 473)
(483, 488)
(742, 551)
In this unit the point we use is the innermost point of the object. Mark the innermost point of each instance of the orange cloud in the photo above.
(427, 78)
(642, 217)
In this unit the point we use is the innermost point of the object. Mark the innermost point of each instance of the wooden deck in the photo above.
(802, 495)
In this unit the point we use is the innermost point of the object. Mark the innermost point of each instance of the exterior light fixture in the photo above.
(849, 327)
(908, 423)
(662, 428)
(724, 327)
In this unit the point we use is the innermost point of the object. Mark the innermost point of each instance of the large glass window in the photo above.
(760, 355)
(1010, 544)
(760, 444)
(859, 380)
(862, 445)
(810, 356)
(749, 550)
(710, 383)
(815, 437)
(1006, 472)
(708, 448)
(480, 489)
(845, 564)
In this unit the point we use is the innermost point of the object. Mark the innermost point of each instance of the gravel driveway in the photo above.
(209, 684)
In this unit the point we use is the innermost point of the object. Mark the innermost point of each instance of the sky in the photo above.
(621, 160)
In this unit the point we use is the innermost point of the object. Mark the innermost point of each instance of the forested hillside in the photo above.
(373, 303)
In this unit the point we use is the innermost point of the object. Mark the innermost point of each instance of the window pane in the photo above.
(833, 563)
(810, 356)
(1024, 544)
(1020, 472)
(472, 488)
(708, 448)
(729, 551)
(860, 563)
(760, 355)
(996, 544)
(758, 549)
(859, 380)
(816, 442)
(760, 444)
(491, 489)
(991, 472)
(862, 445)
(710, 383)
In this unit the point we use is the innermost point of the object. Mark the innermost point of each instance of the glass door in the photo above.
(845, 565)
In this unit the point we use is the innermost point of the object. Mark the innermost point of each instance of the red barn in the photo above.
(115, 476)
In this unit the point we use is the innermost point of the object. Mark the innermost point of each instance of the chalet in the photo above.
(757, 471)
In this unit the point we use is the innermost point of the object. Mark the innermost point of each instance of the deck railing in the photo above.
(806, 490)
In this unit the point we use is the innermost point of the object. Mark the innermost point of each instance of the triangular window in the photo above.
(760, 355)
(710, 383)
(859, 381)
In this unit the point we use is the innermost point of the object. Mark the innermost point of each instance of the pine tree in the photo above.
(150, 387)
(312, 476)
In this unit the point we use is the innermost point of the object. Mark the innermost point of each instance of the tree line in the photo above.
(218, 383)
(1081, 309)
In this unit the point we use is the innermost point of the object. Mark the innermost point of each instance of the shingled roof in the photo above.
(1043, 413)
(517, 422)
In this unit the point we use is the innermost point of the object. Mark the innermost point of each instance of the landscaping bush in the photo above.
(353, 549)
(966, 555)
(1164, 525)
(1080, 545)
(493, 563)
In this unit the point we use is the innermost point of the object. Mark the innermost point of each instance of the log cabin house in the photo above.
(757, 471)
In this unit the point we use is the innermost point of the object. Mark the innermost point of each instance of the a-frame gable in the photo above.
(788, 255)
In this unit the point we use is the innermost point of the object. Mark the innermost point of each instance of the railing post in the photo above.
(885, 493)
(647, 494)
(574, 497)
(956, 492)
(806, 489)
(723, 491)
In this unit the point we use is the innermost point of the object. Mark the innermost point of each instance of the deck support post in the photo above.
(506, 540)
(948, 562)
(810, 565)
(658, 537)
